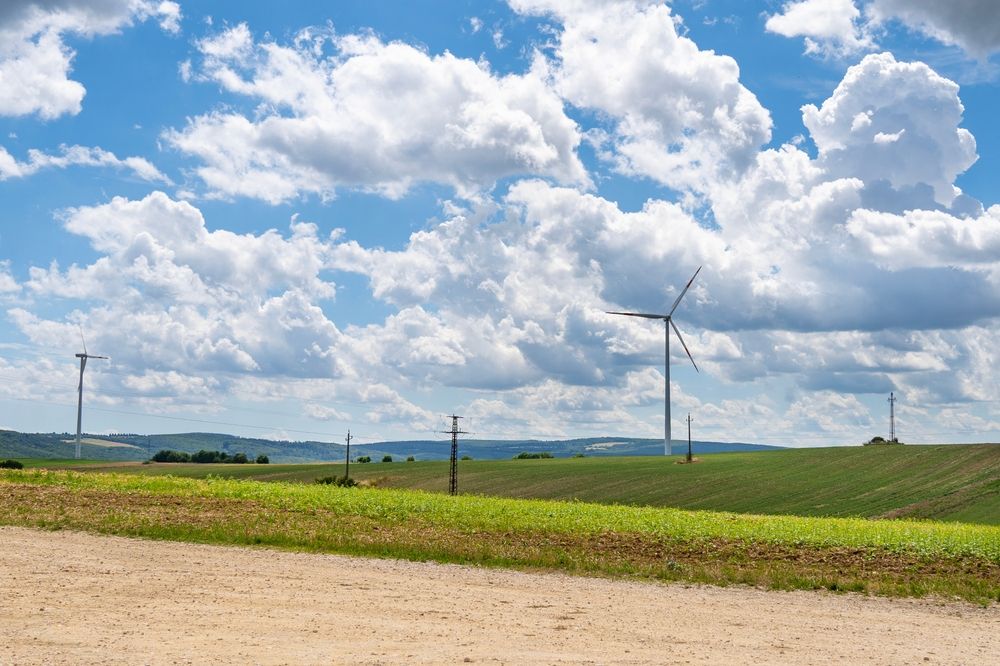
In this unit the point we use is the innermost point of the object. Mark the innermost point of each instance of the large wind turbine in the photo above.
(79, 404)
(668, 323)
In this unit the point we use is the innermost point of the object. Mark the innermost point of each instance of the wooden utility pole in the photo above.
(892, 417)
(347, 461)
(689, 436)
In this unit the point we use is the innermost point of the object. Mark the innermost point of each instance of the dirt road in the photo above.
(75, 598)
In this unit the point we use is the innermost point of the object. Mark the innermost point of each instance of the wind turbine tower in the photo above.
(79, 403)
(668, 323)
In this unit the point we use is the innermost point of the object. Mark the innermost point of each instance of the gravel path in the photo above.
(67, 597)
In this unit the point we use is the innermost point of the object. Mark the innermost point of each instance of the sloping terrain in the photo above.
(944, 482)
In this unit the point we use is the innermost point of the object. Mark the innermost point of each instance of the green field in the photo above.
(911, 558)
(953, 482)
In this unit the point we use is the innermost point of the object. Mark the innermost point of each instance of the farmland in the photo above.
(954, 482)
(909, 558)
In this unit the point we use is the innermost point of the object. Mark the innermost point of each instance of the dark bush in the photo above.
(343, 481)
(880, 441)
(534, 455)
(466, 458)
(363, 459)
(410, 459)
(239, 459)
(11, 464)
(387, 458)
(263, 460)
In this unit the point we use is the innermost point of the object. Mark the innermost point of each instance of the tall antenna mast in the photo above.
(892, 417)
(79, 402)
(668, 323)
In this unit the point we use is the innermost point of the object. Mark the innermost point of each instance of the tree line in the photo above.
(203, 456)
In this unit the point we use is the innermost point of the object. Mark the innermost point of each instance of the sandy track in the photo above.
(68, 597)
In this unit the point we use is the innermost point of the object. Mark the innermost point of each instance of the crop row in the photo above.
(471, 514)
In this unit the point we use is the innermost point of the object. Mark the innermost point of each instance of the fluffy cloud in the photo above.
(929, 239)
(893, 121)
(77, 156)
(172, 294)
(8, 285)
(353, 111)
(681, 116)
(35, 61)
(973, 25)
(845, 27)
(830, 27)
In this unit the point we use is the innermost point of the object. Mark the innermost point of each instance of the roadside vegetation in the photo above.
(908, 558)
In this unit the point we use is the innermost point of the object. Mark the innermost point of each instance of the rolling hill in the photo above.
(943, 482)
(141, 447)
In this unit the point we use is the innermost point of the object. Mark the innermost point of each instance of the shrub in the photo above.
(386, 458)
(880, 441)
(342, 481)
(363, 459)
(410, 459)
(579, 455)
(534, 455)
(11, 464)
(239, 459)
(263, 460)
(466, 457)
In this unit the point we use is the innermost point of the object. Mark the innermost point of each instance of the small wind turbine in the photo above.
(79, 404)
(668, 323)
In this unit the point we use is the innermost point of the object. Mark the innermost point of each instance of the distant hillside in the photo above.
(141, 447)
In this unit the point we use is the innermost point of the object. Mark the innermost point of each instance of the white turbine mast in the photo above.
(668, 323)
(79, 403)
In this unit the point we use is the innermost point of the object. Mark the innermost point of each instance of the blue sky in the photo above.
(292, 221)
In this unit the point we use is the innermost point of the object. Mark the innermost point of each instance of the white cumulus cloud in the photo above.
(973, 25)
(69, 156)
(893, 121)
(35, 62)
(681, 115)
(353, 111)
(830, 27)
(846, 27)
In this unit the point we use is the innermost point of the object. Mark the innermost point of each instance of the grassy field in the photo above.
(954, 482)
(911, 558)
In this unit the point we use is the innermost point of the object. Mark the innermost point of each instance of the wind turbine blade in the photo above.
(638, 314)
(679, 337)
(684, 291)
(82, 339)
